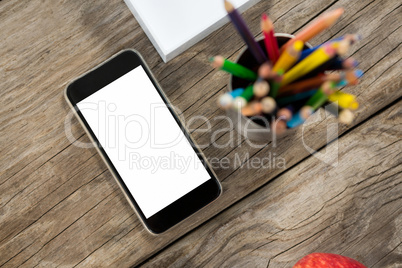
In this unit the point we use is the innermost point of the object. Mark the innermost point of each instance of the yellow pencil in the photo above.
(314, 60)
(289, 57)
(344, 100)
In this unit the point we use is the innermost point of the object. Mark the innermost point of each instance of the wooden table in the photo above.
(60, 206)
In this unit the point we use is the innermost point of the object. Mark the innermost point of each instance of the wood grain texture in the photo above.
(354, 209)
(58, 203)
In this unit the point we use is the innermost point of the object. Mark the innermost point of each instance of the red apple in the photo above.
(327, 260)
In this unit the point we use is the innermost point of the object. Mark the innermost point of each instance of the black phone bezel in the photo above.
(103, 75)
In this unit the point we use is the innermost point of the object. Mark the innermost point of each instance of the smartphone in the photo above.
(159, 168)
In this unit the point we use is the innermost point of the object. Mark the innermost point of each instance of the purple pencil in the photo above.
(245, 33)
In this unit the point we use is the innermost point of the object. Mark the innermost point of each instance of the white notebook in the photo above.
(175, 25)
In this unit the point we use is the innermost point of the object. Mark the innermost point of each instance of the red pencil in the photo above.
(270, 41)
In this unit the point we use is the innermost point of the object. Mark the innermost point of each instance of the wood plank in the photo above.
(241, 183)
(353, 209)
(39, 168)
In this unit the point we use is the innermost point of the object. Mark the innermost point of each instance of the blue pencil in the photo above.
(352, 37)
(308, 51)
(300, 117)
(226, 100)
(344, 82)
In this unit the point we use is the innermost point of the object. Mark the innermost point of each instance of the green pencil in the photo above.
(233, 68)
(321, 96)
(276, 84)
(244, 98)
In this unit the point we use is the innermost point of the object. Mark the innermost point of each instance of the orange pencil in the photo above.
(320, 24)
(251, 109)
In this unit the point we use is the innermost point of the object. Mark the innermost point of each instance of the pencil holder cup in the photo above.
(256, 128)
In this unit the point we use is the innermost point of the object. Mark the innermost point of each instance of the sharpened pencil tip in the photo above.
(346, 117)
(217, 61)
(228, 6)
(339, 11)
(265, 70)
(298, 45)
(332, 16)
(268, 105)
(359, 73)
(336, 13)
(306, 111)
(354, 62)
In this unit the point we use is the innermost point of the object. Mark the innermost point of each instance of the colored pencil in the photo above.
(226, 100)
(284, 115)
(252, 108)
(271, 44)
(309, 84)
(334, 64)
(300, 117)
(268, 105)
(261, 88)
(265, 71)
(242, 100)
(317, 58)
(344, 100)
(278, 126)
(245, 33)
(321, 96)
(351, 78)
(294, 83)
(233, 68)
(343, 47)
(341, 64)
(320, 24)
(342, 78)
(300, 96)
(346, 116)
(352, 38)
(275, 84)
(289, 57)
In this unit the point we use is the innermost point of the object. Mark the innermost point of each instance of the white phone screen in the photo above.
(143, 141)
